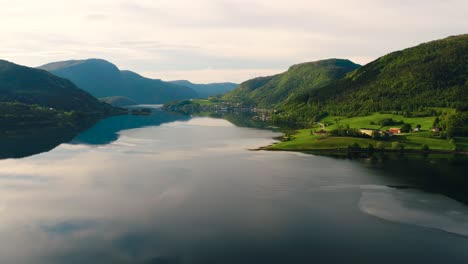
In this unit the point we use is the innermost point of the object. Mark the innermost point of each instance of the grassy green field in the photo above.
(333, 122)
(415, 142)
(203, 102)
(305, 139)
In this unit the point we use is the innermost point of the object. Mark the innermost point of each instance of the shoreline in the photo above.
(277, 146)
(362, 151)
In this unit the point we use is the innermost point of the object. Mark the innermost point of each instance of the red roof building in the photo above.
(394, 130)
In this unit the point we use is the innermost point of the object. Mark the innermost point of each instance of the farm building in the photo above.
(367, 131)
(394, 131)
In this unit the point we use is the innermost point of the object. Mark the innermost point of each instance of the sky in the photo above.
(220, 40)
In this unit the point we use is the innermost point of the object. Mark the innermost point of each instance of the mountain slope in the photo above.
(103, 79)
(38, 87)
(207, 90)
(433, 74)
(118, 101)
(270, 91)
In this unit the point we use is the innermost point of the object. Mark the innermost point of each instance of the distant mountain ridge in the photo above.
(207, 90)
(38, 87)
(103, 79)
(270, 91)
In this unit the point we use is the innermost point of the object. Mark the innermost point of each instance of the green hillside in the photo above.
(267, 92)
(38, 87)
(103, 79)
(38, 106)
(433, 74)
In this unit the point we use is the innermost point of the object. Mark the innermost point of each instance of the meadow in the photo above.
(307, 139)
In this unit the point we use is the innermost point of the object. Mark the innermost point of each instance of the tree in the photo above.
(425, 148)
(402, 147)
(354, 147)
(406, 128)
(436, 122)
(375, 134)
(453, 124)
(380, 146)
(398, 146)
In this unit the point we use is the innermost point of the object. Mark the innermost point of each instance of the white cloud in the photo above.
(235, 38)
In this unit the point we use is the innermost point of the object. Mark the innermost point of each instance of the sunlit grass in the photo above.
(366, 121)
(305, 139)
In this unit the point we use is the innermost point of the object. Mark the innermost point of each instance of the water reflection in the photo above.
(189, 191)
(426, 190)
(107, 131)
(436, 173)
(416, 207)
(27, 142)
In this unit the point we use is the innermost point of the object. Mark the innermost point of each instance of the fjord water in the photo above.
(169, 188)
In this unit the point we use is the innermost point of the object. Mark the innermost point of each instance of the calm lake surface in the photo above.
(168, 188)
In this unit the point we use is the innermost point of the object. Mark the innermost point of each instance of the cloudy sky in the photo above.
(219, 40)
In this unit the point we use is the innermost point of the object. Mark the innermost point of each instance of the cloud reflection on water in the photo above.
(186, 192)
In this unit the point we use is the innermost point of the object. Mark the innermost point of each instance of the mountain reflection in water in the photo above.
(188, 190)
(31, 141)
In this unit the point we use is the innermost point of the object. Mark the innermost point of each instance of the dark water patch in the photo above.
(28, 141)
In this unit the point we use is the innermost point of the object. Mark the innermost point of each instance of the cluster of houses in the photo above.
(391, 131)
(371, 131)
(366, 131)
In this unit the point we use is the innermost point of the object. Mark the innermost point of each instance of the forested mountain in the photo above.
(433, 74)
(267, 92)
(103, 79)
(207, 90)
(29, 86)
(118, 101)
